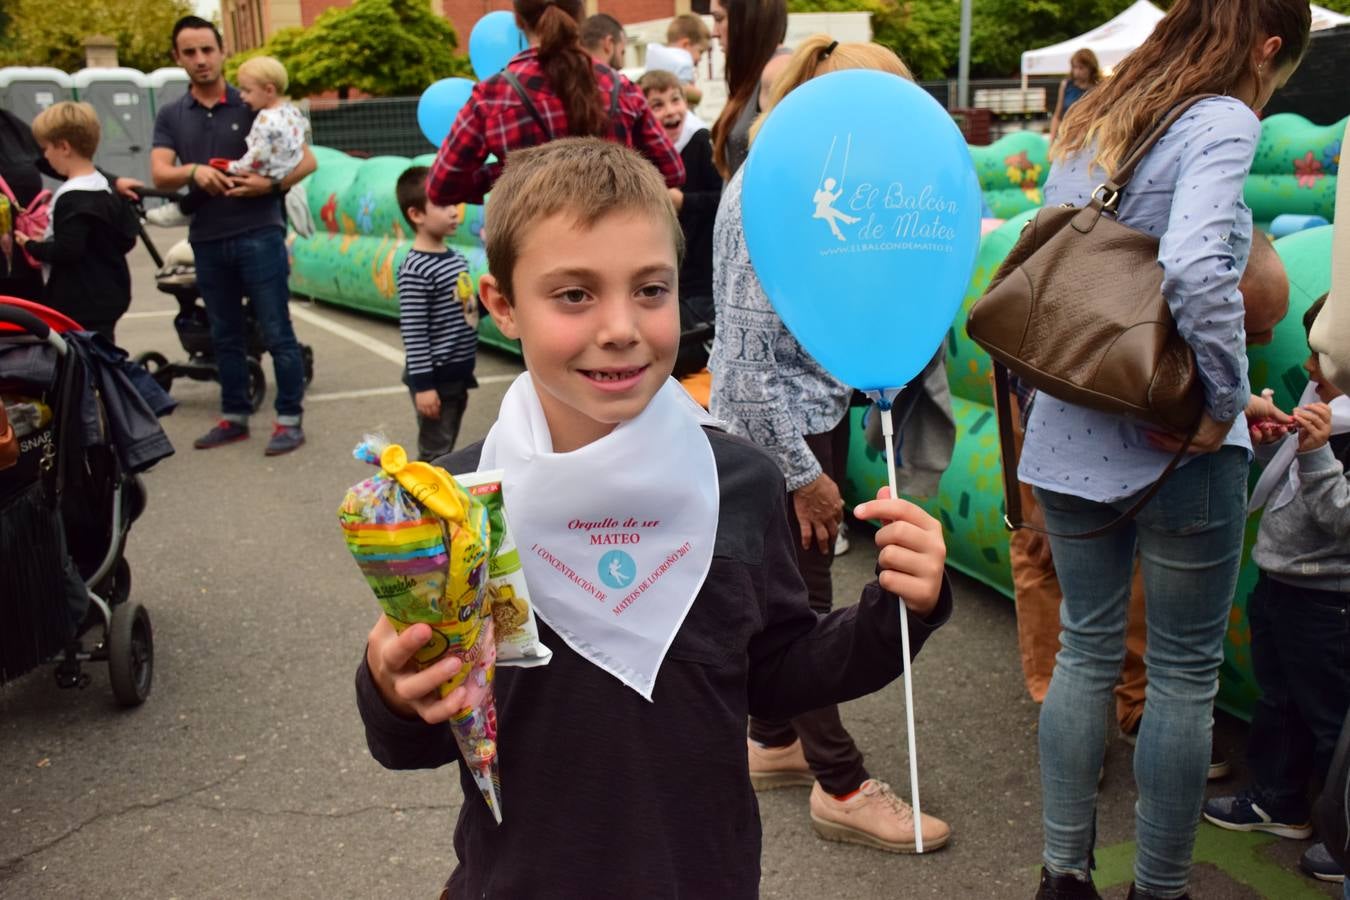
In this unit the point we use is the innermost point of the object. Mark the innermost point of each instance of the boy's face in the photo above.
(57, 154)
(255, 93)
(1326, 391)
(438, 222)
(694, 50)
(669, 108)
(596, 313)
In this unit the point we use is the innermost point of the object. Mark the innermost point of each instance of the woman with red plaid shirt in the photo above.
(552, 90)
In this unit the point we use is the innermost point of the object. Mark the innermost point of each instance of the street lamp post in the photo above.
(963, 62)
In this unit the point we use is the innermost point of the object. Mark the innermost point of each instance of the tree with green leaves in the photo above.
(52, 32)
(381, 47)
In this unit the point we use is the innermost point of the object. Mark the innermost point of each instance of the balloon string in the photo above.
(828, 156)
(843, 174)
(888, 433)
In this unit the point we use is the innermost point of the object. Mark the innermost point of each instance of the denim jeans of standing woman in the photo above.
(1189, 542)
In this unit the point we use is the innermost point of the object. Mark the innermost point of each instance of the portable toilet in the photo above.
(121, 97)
(28, 90)
(167, 85)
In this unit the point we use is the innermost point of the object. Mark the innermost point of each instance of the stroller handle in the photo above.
(25, 320)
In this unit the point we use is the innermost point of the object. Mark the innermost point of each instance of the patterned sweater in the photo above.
(765, 386)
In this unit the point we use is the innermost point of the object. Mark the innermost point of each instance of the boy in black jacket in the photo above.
(624, 776)
(696, 204)
(92, 229)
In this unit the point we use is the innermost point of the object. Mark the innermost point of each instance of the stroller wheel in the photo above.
(157, 365)
(257, 384)
(131, 653)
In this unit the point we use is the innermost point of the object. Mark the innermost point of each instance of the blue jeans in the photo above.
(1189, 542)
(253, 265)
(1301, 658)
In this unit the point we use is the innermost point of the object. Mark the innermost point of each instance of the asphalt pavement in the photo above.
(245, 774)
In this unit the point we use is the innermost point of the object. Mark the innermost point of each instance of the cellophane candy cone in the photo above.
(422, 544)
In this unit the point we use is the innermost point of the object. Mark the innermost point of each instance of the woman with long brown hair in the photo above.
(751, 33)
(1084, 75)
(551, 90)
(1087, 467)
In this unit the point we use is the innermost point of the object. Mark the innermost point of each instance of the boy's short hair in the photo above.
(75, 123)
(267, 70)
(598, 27)
(411, 191)
(1310, 316)
(585, 177)
(688, 27)
(659, 81)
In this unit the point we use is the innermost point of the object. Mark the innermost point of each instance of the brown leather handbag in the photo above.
(1077, 311)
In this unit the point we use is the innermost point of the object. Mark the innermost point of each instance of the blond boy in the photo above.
(623, 775)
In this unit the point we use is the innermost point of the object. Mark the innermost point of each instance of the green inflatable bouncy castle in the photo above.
(361, 238)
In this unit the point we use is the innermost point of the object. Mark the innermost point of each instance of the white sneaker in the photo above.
(167, 215)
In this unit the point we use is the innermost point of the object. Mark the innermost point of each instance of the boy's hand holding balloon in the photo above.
(912, 552)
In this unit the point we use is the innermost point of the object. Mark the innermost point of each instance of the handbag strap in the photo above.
(1012, 497)
(1125, 170)
(525, 100)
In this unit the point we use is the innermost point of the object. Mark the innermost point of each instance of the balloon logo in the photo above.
(494, 40)
(438, 106)
(862, 218)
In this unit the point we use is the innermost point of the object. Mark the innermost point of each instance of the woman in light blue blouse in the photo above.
(1087, 467)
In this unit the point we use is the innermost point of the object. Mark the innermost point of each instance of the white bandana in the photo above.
(1279, 482)
(615, 538)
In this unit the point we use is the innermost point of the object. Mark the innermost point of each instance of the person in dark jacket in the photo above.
(624, 773)
(19, 155)
(696, 204)
(92, 229)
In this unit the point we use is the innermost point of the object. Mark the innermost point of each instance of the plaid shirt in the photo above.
(494, 121)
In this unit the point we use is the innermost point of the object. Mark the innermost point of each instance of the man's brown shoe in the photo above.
(775, 767)
(874, 817)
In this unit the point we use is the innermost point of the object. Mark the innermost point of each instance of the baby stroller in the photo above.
(65, 510)
(177, 277)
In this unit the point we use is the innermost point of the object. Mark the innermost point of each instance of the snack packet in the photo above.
(422, 544)
(516, 631)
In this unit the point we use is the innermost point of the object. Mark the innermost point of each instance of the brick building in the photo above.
(249, 23)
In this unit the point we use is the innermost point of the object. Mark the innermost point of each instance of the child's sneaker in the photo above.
(1317, 862)
(167, 215)
(775, 767)
(1241, 813)
(875, 817)
(225, 432)
(841, 544)
(285, 438)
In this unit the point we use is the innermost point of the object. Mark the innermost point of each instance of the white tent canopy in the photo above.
(1325, 18)
(1114, 40)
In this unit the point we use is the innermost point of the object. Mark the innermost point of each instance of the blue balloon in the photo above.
(862, 217)
(495, 38)
(1288, 223)
(438, 106)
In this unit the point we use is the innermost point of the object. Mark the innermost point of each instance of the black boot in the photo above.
(1065, 887)
(1137, 894)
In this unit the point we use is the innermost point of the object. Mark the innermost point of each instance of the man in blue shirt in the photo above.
(237, 235)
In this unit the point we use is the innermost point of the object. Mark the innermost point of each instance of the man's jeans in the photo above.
(253, 265)
(1189, 541)
(1301, 658)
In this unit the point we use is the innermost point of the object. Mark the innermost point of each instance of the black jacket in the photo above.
(702, 193)
(92, 232)
(607, 796)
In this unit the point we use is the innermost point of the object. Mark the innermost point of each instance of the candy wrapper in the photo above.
(422, 544)
(512, 613)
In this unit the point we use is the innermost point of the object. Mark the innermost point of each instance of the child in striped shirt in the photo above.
(438, 317)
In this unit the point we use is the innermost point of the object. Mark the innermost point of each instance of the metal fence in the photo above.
(388, 126)
(371, 127)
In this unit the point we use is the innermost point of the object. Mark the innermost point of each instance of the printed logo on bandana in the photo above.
(617, 569)
(888, 217)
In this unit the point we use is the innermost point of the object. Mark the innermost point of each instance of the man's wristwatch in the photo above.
(276, 186)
